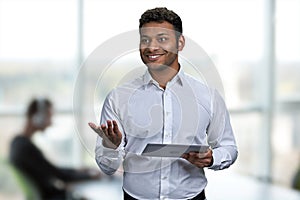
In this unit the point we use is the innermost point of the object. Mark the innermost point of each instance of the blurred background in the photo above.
(255, 45)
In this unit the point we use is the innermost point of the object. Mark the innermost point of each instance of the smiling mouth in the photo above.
(154, 57)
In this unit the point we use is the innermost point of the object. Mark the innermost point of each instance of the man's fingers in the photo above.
(96, 128)
(104, 128)
(202, 155)
(92, 125)
(109, 132)
(115, 127)
(109, 128)
(199, 159)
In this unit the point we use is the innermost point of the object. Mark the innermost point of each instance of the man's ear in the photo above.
(181, 42)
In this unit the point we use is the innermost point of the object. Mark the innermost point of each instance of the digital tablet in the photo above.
(172, 150)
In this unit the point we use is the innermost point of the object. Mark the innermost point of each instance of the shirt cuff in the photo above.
(223, 157)
(111, 153)
(217, 159)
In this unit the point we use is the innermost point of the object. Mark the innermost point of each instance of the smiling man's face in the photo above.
(159, 47)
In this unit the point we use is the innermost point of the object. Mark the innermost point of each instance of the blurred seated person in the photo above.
(51, 181)
(296, 180)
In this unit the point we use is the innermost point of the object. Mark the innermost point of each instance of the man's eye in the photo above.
(145, 41)
(162, 39)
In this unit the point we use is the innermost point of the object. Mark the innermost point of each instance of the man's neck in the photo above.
(164, 76)
(29, 130)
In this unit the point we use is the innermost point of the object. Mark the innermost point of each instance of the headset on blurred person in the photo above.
(40, 116)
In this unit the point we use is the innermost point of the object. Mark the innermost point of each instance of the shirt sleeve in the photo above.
(220, 135)
(109, 160)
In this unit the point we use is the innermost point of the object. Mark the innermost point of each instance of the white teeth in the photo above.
(153, 57)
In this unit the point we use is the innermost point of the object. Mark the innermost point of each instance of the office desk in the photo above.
(222, 185)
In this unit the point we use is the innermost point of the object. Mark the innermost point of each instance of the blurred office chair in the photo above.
(296, 180)
(27, 187)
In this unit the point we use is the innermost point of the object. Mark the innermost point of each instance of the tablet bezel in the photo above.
(172, 150)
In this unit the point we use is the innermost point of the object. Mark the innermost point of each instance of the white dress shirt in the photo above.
(185, 112)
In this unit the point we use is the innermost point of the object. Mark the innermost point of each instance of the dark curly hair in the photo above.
(160, 15)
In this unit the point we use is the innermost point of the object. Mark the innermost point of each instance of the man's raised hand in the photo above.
(109, 132)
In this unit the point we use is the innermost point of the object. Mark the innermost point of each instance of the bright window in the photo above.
(43, 43)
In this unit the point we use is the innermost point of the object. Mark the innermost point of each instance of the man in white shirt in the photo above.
(164, 106)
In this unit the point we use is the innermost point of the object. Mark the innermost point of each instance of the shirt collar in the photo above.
(178, 78)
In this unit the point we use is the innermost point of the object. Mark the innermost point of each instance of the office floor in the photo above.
(223, 185)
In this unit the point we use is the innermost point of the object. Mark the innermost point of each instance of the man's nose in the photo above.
(153, 45)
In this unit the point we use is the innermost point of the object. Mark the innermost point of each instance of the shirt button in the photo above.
(164, 178)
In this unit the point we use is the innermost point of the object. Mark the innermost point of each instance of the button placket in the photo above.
(167, 136)
(167, 139)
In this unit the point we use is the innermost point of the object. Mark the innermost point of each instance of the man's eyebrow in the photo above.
(161, 34)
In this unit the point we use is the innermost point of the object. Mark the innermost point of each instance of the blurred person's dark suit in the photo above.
(51, 181)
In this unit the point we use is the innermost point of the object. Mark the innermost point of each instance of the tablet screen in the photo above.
(172, 150)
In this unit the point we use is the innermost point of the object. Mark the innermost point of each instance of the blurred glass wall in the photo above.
(255, 45)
